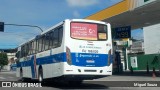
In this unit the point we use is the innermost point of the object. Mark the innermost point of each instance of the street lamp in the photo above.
(2, 26)
(26, 26)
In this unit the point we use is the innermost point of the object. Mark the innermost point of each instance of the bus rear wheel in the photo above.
(40, 76)
(21, 75)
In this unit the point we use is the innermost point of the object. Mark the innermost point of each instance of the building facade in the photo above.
(152, 39)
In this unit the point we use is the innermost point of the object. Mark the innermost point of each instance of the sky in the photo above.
(42, 13)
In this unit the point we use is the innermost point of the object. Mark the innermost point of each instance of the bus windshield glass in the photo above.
(88, 31)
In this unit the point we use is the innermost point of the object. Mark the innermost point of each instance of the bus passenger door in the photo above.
(33, 67)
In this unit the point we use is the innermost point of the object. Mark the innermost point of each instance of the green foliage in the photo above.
(155, 61)
(3, 59)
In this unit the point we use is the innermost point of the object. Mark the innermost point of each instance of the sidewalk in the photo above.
(7, 71)
(138, 73)
(4, 70)
(127, 76)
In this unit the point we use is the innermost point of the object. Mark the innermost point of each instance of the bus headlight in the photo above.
(68, 56)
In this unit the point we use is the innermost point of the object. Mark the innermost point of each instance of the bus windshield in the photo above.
(88, 31)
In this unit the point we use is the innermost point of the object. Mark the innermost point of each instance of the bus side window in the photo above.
(55, 38)
(22, 51)
(40, 44)
(50, 39)
(27, 49)
(60, 35)
(30, 48)
(18, 54)
(47, 39)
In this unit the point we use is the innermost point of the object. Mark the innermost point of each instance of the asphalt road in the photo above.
(103, 83)
(8, 76)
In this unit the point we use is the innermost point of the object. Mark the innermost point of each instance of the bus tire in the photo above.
(40, 75)
(21, 75)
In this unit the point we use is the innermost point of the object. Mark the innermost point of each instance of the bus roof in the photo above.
(87, 20)
(78, 20)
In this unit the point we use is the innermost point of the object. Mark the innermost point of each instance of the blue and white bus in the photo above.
(74, 49)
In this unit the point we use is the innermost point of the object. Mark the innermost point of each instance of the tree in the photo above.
(3, 59)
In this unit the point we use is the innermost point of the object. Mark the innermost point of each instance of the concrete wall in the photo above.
(152, 39)
(137, 46)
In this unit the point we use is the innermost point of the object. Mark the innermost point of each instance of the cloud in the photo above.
(82, 3)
